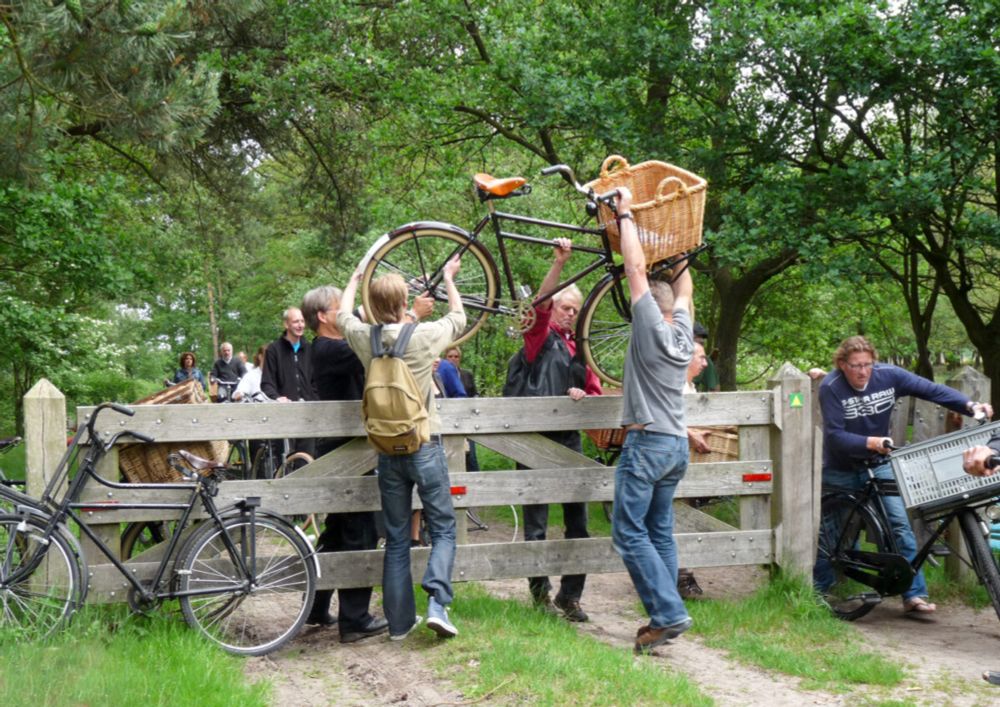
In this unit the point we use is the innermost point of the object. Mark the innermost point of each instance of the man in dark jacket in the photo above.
(227, 371)
(339, 375)
(287, 375)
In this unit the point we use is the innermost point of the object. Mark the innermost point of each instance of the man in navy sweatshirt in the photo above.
(857, 399)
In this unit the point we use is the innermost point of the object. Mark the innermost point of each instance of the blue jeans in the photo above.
(823, 577)
(397, 474)
(649, 469)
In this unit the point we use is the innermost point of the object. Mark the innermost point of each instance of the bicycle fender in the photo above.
(234, 512)
(426, 225)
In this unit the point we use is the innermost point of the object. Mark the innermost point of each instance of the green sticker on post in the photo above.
(795, 400)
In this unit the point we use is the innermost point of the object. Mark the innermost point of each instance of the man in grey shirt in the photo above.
(655, 455)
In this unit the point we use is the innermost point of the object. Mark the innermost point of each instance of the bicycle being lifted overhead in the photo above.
(418, 252)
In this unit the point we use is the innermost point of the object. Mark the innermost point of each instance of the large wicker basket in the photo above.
(147, 463)
(668, 205)
(723, 442)
(608, 437)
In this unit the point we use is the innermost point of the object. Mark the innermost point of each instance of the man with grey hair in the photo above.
(339, 375)
(550, 345)
(654, 457)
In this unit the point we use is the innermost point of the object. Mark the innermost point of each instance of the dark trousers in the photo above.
(344, 532)
(536, 523)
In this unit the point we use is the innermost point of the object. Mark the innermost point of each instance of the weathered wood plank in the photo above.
(755, 511)
(183, 423)
(791, 449)
(502, 560)
(294, 496)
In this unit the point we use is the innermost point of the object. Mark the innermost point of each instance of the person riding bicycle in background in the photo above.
(974, 461)
(857, 399)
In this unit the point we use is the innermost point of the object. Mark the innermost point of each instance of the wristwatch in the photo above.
(622, 217)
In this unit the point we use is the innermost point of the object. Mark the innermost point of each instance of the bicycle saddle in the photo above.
(200, 463)
(497, 187)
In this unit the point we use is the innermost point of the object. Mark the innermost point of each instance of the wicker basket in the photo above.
(147, 463)
(608, 437)
(668, 205)
(724, 443)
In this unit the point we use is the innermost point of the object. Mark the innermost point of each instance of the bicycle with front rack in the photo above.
(418, 252)
(244, 577)
(856, 537)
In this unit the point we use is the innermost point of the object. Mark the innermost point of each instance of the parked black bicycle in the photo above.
(857, 540)
(244, 577)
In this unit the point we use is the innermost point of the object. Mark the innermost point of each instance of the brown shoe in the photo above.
(544, 604)
(687, 585)
(649, 638)
(571, 609)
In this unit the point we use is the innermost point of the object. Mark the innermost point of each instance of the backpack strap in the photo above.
(378, 348)
(398, 347)
(403, 340)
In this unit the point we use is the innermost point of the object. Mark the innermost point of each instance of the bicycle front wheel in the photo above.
(142, 535)
(419, 254)
(984, 562)
(845, 528)
(250, 612)
(605, 328)
(40, 583)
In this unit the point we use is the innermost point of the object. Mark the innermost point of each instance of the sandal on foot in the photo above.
(992, 677)
(918, 605)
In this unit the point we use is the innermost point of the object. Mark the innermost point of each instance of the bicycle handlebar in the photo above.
(566, 171)
(993, 462)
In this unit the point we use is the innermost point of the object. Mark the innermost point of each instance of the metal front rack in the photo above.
(930, 474)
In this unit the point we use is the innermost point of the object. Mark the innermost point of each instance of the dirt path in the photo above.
(943, 657)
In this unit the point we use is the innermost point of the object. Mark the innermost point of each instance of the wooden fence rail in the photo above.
(776, 519)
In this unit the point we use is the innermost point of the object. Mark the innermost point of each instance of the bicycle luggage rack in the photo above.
(930, 474)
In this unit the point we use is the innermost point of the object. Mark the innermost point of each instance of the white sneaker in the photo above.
(401, 636)
(437, 620)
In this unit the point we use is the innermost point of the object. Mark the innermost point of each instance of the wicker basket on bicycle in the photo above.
(147, 463)
(723, 443)
(606, 438)
(668, 205)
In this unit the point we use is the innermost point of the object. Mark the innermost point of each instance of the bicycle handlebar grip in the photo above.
(993, 462)
(140, 436)
(122, 409)
(546, 171)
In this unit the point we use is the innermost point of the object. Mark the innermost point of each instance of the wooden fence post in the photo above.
(792, 453)
(44, 434)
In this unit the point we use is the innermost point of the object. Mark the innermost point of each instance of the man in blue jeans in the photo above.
(427, 468)
(655, 455)
(857, 399)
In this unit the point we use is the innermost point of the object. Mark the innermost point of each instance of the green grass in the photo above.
(507, 652)
(783, 628)
(107, 657)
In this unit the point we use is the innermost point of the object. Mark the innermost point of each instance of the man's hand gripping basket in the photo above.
(668, 205)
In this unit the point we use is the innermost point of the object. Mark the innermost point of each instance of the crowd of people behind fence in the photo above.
(665, 359)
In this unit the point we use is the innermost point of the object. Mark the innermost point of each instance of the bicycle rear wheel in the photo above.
(605, 328)
(845, 528)
(40, 582)
(418, 255)
(247, 615)
(984, 562)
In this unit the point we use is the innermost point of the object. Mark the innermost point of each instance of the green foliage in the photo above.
(783, 627)
(109, 657)
(515, 654)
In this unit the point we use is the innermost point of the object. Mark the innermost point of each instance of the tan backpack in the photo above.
(392, 405)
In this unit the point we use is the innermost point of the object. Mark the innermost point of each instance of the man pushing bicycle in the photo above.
(857, 399)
